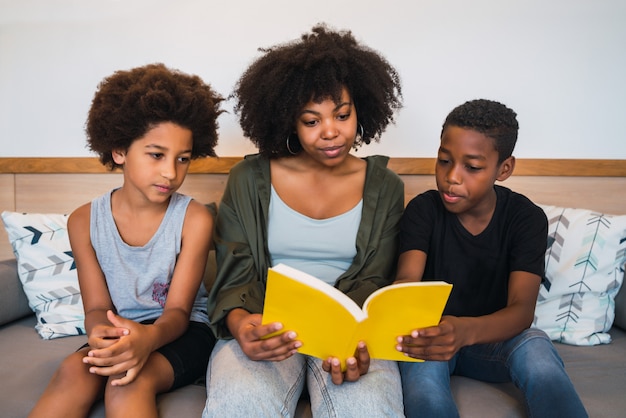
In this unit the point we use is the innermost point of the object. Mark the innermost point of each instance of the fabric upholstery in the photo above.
(47, 271)
(584, 271)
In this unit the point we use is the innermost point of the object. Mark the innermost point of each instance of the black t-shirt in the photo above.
(478, 266)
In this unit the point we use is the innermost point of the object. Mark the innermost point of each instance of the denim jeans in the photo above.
(240, 387)
(529, 360)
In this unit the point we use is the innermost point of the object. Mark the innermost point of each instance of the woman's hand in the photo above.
(355, 366)
(248, 331)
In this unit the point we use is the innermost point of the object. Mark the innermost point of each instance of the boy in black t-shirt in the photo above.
(490, 243)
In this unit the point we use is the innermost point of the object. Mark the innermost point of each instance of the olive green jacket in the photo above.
(241, 239)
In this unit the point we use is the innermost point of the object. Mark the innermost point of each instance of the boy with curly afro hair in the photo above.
(141, 249)
(129, 103)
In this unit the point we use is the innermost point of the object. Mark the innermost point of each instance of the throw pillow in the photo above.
(47, 271)
(584, 271)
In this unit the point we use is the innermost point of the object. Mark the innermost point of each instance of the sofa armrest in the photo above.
(13, 301)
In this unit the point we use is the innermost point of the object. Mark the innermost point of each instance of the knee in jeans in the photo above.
(538, 355)
(534, 339)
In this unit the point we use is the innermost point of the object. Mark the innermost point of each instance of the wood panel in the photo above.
(527, 167)
(7, 202)
(205, 188)
(93, 165)
(7, 192)
(62, 193)
(603, 194)
(417, 166)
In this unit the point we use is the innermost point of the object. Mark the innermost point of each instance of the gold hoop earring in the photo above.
(289, 148)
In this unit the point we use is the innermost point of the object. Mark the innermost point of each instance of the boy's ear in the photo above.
(119, 156)
(506, 169)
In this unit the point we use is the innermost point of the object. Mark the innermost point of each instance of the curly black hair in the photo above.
(490, 118)
(129, 103)
(275, 87)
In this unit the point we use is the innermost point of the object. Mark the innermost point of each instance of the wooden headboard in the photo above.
(59, 185)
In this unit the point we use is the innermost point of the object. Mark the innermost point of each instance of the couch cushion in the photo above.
(599, 374)
(28, 362)
(584, 271)
(13, 302)
(47, 271)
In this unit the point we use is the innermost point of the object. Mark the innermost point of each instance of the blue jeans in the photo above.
(529, 360)
(240, 387)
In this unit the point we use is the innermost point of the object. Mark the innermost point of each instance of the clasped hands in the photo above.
(119, 349)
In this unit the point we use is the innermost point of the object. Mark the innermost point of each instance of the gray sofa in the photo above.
(27, 362)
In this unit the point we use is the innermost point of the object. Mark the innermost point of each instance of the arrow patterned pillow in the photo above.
(584, 271)
(47, 271)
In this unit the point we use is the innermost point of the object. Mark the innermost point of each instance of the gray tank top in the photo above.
(139, 278)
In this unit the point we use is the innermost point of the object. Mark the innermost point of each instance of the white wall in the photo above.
(561, 64)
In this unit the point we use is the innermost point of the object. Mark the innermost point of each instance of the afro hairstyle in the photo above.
(275, 87)
(127, 104)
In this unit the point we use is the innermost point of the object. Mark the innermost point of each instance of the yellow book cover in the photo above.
(330, 324)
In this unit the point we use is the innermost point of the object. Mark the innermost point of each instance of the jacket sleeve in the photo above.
(238, 283)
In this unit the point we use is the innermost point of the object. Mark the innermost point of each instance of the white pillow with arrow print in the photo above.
(47, 271)
(584, 271)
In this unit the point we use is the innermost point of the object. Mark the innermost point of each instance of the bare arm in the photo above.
(93, 287)
(411, 266)
(131, 352)
(187, 276)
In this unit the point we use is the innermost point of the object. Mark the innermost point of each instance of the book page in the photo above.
(303, 305)
(398, 309)
(323, 287)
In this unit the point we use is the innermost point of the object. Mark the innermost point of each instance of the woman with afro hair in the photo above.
(305, 201)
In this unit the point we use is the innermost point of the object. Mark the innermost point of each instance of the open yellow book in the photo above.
(330, 324)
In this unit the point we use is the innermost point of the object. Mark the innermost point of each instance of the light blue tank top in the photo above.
(323, 248)
(138, 278)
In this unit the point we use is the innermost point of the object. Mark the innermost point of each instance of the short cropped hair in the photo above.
(127, 104)
(275, 88)
(490, 118)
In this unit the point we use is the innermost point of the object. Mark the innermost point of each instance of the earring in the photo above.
(358, 140)
(288, 147)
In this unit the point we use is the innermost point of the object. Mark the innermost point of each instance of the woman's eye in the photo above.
(156, 155)
(343, 116)
(184, 160)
